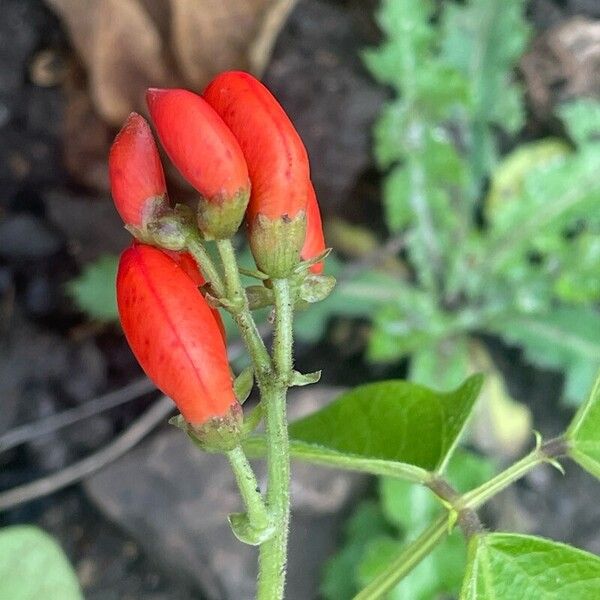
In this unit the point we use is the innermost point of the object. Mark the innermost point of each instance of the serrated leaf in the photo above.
(94, 290)
(553, 200)
(584, 433)
(32, 565)
(566, 338)
(484, 40)
(505, 566)
(392, 421)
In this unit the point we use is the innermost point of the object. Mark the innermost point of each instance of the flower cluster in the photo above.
(238, 149)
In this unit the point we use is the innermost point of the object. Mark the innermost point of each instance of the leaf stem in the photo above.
(273, 552)
(242, 315)
(406, 561)
(256, 445)
(543, 453)
(249, 489)
(210, 272)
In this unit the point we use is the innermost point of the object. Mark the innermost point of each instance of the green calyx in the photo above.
(220, 217)
(276, 244)
(218, 434)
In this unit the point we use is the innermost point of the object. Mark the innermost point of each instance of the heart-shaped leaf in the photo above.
(32, 565)
(393, 421)
(505, 566)
(584, 433)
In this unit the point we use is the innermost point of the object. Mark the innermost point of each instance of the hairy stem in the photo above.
(210, 272)
(249, 490)
(273, 552)
(242, 315)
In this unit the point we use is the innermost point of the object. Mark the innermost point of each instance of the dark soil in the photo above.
(51, 358)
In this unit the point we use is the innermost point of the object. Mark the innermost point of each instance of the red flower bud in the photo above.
(206, 153)
(277, 163)
(137, 180)
(187, 263)
(314, 242)
(174, 336)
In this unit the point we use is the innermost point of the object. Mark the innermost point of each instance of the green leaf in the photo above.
(94, 290)
(340, 573)
(411, 320)
(442, 366)
(582, 119)
(360, 296)
(554, 200)
(33, 566)
(565, 338)
(508, 178)
(484, 41)
(505, 566)
(578, 281)
(584, 433)
(392, 421)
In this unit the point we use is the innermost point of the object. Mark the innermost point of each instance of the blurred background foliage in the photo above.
(490, 226)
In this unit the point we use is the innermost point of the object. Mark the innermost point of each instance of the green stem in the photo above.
(242, 315)
(406, 561)
(256, 445)
(548, 452)
(210, 272)
(249, 490)
(273, 552)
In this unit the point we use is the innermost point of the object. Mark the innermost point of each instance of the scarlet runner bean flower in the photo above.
(314, 242)
(208, 156)
(278, 167)
(187, 263)
(136, 174)
(175, 338)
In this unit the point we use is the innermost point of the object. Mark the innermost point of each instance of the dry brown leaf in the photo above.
(563, 63)
(210, 36)
(129, 45)
(121, 48)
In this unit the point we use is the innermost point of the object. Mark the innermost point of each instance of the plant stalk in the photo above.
(256, 510)
(210, 272)
(242, 315)
(273, 553)
(406, 561)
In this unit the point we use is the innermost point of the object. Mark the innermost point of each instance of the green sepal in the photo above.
(259, 297)
(315, 288)
(246, 532)
(306, 264)
(220, 217)
(276, 243)
(300, 379)
(243, 384)
(216, 435)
